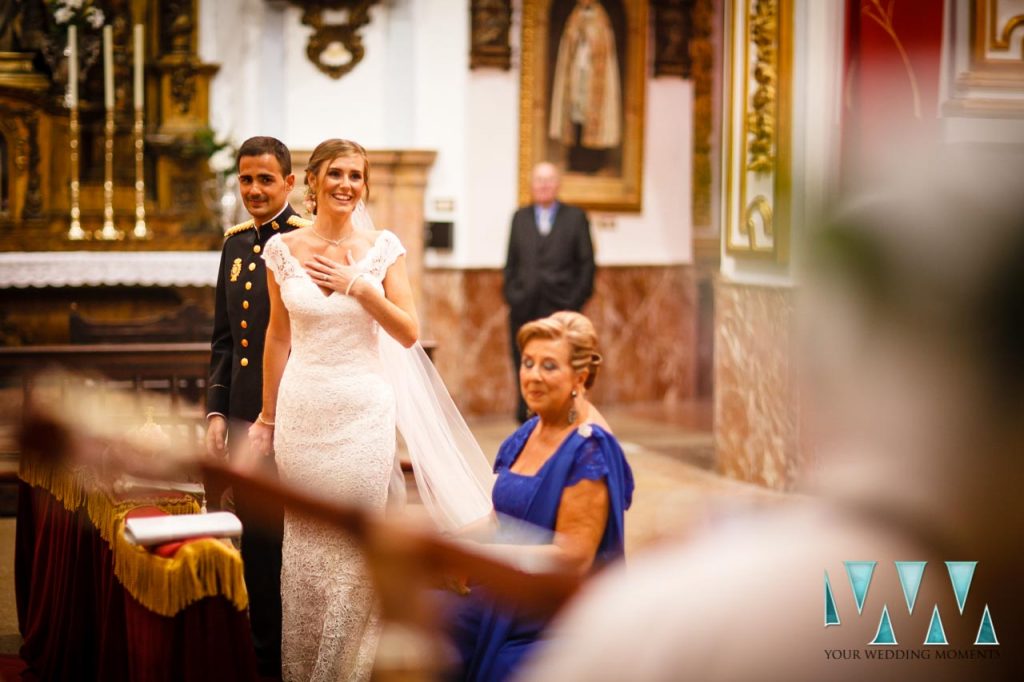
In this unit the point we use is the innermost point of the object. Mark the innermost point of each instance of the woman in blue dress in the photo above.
(561, 471)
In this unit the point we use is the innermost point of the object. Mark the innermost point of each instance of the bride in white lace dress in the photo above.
(329, 409)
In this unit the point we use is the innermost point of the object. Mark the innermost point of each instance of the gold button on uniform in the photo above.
(245, 343)
(248, 285)
(245, 362)
(245, 305)
(256, 249)
(245, 325)
(252, 266)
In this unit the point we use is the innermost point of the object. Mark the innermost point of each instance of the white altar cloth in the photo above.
(24, 269)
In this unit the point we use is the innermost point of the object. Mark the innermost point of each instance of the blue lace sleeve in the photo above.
(589, 463)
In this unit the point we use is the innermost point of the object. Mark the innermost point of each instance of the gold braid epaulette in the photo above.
(297, 221)
(241, 227)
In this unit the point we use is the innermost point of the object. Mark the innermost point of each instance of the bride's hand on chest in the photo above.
(331, 274)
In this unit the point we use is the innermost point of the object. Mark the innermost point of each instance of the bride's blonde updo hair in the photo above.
(328, 151)
(574, 328)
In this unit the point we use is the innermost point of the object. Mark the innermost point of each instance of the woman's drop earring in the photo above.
(572, 410)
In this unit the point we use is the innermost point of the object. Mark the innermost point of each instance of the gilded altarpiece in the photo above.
(757, 129)
(35, 132)
(37, 292)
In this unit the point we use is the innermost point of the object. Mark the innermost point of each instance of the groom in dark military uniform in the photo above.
(235, 390)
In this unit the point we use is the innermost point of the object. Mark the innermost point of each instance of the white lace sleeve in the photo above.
(386, 251)
(279, 260)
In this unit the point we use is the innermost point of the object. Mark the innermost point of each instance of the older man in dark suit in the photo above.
(550, 263)
(235, 391)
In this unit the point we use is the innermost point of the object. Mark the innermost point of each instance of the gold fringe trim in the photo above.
(106, 514)
(200, 569)
(59, 480)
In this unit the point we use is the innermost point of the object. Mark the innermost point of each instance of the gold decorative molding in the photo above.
(757, 129)
(761, 208)
(16, 71)
(993, 83)
(22, 176)
(761, 123)
(999, 36)
(335, 47)
(988, 36)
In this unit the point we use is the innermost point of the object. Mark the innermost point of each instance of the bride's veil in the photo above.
(453, 477)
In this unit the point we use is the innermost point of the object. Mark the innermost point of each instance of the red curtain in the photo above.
(892, 73)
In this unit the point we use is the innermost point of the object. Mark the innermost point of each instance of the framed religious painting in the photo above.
(582, 99)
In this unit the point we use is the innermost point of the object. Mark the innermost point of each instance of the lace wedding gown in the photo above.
(335, 436)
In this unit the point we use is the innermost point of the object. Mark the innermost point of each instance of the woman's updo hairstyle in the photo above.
(574, 328)
(328, 151)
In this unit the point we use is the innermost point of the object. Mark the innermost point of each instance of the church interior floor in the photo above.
(670, 450)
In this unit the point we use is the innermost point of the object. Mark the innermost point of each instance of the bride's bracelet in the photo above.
(263, 421)
(352, 282)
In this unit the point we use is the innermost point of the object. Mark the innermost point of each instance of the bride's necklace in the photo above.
(332, 242)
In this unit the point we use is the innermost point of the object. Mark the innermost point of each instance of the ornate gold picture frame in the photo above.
(591, 128)
(757, 129)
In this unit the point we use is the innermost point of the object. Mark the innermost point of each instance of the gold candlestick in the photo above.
(140, 231)
(109, 231)
(75, 232)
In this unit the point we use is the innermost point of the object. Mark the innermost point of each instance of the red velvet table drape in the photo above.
(79, 621)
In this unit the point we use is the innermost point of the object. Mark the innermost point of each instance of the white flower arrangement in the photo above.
(76, 13)
(222, 161)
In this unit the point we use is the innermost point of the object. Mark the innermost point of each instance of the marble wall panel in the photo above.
(646, 319)
(756, 417)
(467, 318)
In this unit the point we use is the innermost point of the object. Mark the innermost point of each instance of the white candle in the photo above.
(72, 66)
(139, 81)
(108, 66)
